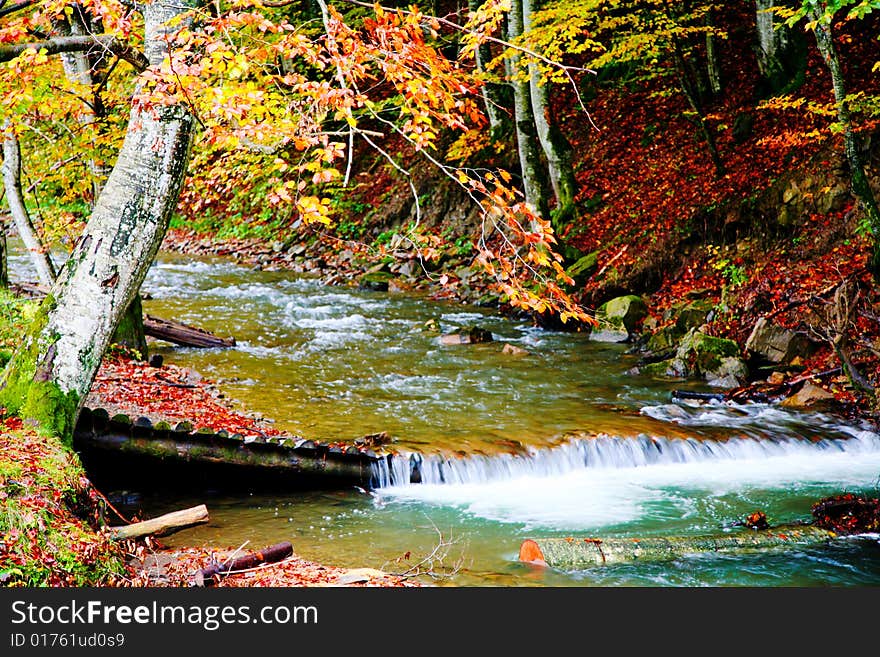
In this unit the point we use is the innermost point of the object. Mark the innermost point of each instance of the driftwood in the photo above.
(209, 575)
(579, 553)
(183, 334)
(163, 525)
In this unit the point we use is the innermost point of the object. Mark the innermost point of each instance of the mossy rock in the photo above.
(623, 312)
(663, 339)
(583, 268)
(376, 281)
(693, 314)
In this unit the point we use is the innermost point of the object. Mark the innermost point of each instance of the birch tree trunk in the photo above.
(861, 188)
(490, 91)
(556, 147)
(20, 216)
(49, 375)
(526, 137)
(78, 67)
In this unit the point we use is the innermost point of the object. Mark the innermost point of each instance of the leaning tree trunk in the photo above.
(526, 137)
(858, 179)
(78, 71)
(556, 147)
(15, 198)
(51, 372)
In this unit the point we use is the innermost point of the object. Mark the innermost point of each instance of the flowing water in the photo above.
(560, 442)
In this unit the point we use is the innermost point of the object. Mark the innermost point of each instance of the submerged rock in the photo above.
(513, 350)
(471, 335)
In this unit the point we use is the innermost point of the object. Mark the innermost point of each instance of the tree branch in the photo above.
(78, 44)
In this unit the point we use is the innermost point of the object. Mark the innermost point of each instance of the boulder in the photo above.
(776, 344)
(699, 355)
(693, 314)
(619, 318)
(581, 270)
(809, 396)
(471, 335)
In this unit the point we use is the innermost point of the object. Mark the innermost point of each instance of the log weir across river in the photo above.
(556, 443)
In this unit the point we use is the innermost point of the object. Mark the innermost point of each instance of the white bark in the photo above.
(121, 239)
(526, 139)
(78, 70)
(20, 216)
(556, 149)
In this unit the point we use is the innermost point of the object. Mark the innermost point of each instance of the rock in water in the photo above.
(472, 335)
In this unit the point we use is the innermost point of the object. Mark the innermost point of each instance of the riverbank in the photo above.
(53, 519)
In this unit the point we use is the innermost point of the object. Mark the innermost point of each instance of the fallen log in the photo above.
(183, 334)
(163, 329)
(580, 553)
(209, 575)
(162, 525)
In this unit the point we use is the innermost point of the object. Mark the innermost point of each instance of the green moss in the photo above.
(23, 393)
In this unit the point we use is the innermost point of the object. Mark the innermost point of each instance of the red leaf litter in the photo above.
(172, 394)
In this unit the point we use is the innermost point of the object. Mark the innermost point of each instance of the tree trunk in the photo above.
(78, 70)
(861, 188)
(130, 333)
(15, 198)
(780, 51)
(692, 93)
(580, 553)
(183, 334)
(491, 91)
(50, 373)
(556, 147)
(4, 258)
(162, 525)
(713, 68)
(526, 137)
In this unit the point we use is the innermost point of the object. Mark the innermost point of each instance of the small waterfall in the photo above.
(605, 452)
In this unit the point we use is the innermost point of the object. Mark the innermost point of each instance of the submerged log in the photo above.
(183, 334)
(209, 575)
(163, 525)
(579, 553)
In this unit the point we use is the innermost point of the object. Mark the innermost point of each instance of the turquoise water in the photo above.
(560, 442)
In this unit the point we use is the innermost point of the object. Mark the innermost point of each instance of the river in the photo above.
(558, 442)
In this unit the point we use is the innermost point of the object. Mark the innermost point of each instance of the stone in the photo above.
(623, 312)
(694, 314)
(663, 339)
(583, 268)
(776, 344)
(375, 281)
(809, 396)
(513, 350)
(776, 378)
(471, 335)
(700, 355)
(609, 333)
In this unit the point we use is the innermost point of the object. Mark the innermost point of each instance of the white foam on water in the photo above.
(589, 483)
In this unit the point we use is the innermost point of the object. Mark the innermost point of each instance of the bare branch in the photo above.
(82, 43)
